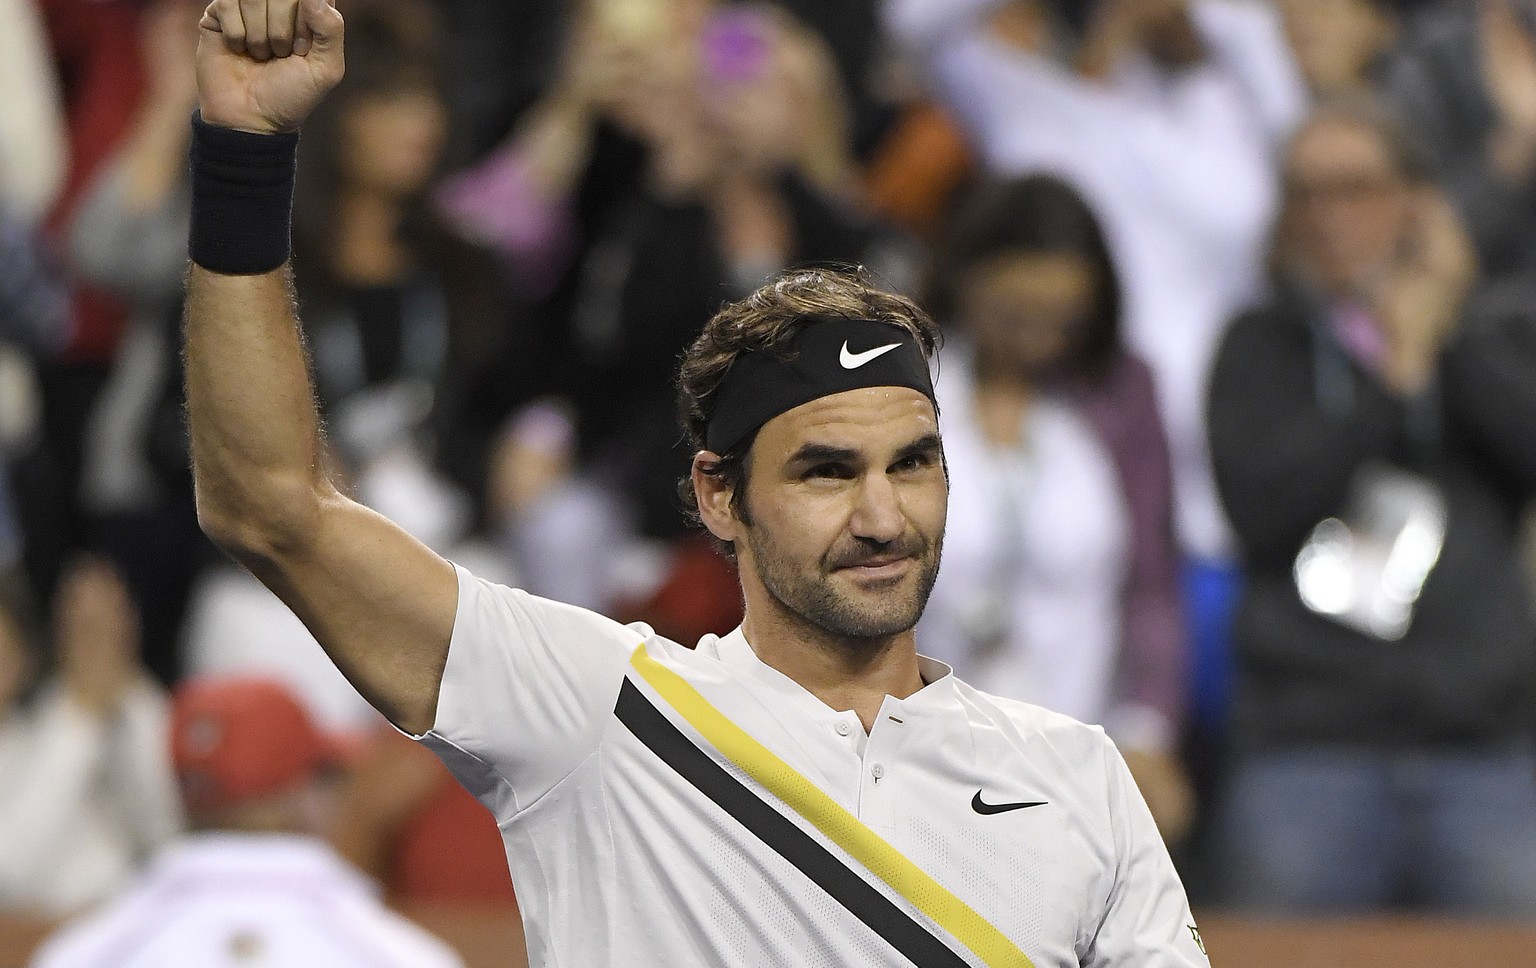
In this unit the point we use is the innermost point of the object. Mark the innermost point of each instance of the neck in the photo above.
(842, 672)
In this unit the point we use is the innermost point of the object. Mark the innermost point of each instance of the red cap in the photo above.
(234, 740)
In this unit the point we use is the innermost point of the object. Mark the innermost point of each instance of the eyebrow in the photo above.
(814, 453)
(823, 454)
(926, 444)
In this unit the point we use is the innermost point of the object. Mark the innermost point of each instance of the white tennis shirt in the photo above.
(694, 807)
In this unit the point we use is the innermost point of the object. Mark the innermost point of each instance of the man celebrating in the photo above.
(805, 790)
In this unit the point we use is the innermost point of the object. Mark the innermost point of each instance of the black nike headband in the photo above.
(829, 355)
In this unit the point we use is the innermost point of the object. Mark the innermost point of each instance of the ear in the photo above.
(714, 498)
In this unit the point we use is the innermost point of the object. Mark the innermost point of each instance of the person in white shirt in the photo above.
(1170, 126)
(1060, 579)
(804, 790)
(86, 791)
(254, 885)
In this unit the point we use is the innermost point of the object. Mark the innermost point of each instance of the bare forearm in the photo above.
(255, 433)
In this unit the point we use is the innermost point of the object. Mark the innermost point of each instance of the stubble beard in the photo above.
(817, 601)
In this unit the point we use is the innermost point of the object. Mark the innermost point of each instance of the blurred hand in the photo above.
(97, 630)
(263, 65)
(1165, 786)
(1419, 300)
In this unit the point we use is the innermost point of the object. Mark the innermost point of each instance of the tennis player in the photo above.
(807, 790)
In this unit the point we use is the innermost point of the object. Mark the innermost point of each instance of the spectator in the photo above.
(1059, 584)
(1167, 124)
(253, 884)
(676, 161)
(128, 236)
(85, 786)
(1371, 432)
(94, 46)
(1465, 81)
(399, 307)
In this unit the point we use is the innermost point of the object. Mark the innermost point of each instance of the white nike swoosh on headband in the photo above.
(852, 361)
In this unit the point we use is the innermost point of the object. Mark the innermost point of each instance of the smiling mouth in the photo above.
(878, 567)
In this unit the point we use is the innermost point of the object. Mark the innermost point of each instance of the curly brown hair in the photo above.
(768, 318)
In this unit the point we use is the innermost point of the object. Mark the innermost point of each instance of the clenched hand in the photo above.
(263, 65)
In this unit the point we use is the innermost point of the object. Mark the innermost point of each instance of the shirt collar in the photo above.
(737, 654)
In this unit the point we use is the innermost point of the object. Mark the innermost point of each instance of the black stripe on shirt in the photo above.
(914, 941)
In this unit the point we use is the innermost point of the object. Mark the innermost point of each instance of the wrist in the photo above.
(242, 198)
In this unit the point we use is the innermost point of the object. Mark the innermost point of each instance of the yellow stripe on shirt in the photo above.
(826, 815)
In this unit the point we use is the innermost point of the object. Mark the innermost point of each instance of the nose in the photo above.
(877, 516)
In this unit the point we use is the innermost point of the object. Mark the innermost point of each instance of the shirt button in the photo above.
(843, 729)
(877, 771)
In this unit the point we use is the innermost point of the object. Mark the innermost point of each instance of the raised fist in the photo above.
(263, 65)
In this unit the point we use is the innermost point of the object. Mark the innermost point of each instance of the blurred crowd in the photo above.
(1237, 394)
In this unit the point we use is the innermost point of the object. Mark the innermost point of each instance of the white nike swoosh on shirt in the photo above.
(852, 361)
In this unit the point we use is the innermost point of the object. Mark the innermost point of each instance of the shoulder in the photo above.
(485, 604)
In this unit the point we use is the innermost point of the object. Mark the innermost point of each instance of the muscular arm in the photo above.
(380, 603)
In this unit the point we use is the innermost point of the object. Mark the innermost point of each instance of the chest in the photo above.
(794, 820)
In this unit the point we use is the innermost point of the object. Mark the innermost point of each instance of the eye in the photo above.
(913, 462)
(829, 471)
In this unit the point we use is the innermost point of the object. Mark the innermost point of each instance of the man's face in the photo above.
(1348, 208)
(847, 500)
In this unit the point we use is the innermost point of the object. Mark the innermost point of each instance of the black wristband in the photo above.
(242, 198)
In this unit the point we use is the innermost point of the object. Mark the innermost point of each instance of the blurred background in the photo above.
(1237, 395)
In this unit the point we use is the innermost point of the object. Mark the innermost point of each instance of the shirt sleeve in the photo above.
(526, 691)
(1147, 922)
